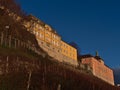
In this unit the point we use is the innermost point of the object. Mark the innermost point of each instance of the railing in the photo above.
(12, 42)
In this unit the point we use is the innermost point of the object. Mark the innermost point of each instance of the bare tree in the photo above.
(75, 45)
(12, 6)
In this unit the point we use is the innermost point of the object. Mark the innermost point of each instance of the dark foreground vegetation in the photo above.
(28, 71)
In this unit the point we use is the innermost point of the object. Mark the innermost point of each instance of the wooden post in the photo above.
(26, 45)
(2, 35)
(15, 44)
(7, 64)
(5, 40)
(29, 79)
(17, 61)
(93, 87)
(59, 87)
(18, 43)
(9, 41)
(21, 44)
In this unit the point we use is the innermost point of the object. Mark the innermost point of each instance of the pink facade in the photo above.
(99, 69)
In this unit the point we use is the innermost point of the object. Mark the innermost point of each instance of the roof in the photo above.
(98, 58)
(33, 18)
(86, 56)
(89, 55)
(68, 44)
(55, 33)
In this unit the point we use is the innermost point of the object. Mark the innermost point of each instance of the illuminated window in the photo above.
(40, 28)
(33, 32)
(54, 36)
(37, 33)
(57, 43)
(40, 35)
(52, 41)
(36, 25)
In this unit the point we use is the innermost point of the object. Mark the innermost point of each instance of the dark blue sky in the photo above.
(92, 24)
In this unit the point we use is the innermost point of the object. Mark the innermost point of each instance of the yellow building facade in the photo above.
(68, 50)
(51, 42)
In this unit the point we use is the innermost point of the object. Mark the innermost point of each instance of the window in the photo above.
(48, 44)
(57, 43)
(33, 32)
(47, 39)
(54, 36)
(57, 37)
(52, 41)
(63, 45)
(36, 25)
(40, 35)
(40, 28)
(37, 33)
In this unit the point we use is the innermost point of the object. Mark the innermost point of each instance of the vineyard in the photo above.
(23, 73)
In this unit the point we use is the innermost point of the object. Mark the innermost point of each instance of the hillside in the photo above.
(37, 73)
(25, 66)
(32, 71)
(15, 29)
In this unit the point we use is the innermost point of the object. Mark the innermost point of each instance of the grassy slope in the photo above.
(17, 52)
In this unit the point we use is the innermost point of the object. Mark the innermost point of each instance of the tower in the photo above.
(97, 54)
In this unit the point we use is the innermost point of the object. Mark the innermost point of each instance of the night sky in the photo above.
(93, 24)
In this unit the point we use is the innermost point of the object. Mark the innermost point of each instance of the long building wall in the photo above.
(68, 51)
(51, 42)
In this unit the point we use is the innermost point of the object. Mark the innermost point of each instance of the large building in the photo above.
(49, 40)
(99, 69)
